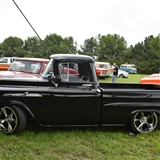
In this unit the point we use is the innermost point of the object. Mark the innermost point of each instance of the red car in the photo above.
(152, 79)
(103, 69)
(102, 72)
(26, 66)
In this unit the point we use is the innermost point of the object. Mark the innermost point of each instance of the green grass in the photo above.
(132, 78)
(108, 143)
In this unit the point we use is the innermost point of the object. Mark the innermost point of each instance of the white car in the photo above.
(122, 74)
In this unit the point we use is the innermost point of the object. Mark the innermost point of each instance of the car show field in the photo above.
(132, 78)
(68, 93)
(67, 108)
(81, 143)
(37, 143)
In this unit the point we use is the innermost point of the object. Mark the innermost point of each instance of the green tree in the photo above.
(112, 48)
(12, 46)
(70, 44)
(32, 44)
(33, 47)
(1, 51)
(146, 55)
(57, 44)
(90, 47)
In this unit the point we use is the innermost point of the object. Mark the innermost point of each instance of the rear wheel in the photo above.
(144, 122)
(12, 119)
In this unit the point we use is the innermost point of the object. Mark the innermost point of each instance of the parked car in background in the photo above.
(152, 79)
(102, 72)
(103, 69)
(26, 66)
(130, 68)
(122, 74)
(5, 63)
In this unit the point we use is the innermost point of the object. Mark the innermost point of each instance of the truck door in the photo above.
(74, 101)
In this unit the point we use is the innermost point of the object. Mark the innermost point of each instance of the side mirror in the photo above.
(53, 79)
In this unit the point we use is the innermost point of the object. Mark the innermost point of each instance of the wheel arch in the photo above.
(157, 112)
(145, 110)
(20, 105)
(142, 110)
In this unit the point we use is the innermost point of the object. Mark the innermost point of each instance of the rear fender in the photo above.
(144, 110)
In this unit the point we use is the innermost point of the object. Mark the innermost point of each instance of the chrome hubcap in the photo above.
(8, 120)
(145, 122)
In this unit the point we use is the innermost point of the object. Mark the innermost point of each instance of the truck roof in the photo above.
(72, 57)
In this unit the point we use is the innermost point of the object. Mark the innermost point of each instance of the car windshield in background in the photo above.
(25, 66)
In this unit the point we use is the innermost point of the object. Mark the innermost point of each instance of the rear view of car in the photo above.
(101, 72)
(103, 69)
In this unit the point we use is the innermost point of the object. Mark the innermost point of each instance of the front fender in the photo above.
(21, 106)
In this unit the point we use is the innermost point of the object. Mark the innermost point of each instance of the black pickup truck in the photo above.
(69, 94)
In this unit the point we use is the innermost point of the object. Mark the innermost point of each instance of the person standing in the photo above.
(115, 73)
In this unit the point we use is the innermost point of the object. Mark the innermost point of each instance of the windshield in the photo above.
(26, 66)
(103, 65)
(48, 72)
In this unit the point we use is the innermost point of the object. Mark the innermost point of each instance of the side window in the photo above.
(74, 71)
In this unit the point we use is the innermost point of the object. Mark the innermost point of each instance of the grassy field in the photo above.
(109, 143)
(132, 78)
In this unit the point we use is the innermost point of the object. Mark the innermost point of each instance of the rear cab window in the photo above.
(74, 71)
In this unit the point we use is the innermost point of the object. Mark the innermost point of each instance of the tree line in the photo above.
(107, 48)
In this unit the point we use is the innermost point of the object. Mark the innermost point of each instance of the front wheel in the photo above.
(12, 119)
(121, 76)
(144, 122)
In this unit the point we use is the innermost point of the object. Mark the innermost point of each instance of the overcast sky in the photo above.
(132, 19)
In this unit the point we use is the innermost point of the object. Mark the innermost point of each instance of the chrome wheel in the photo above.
(12, 120)
(144, 122)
